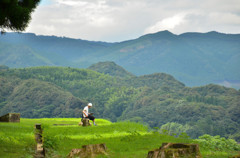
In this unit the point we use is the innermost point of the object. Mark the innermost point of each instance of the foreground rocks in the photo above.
(84, 122)
(235, 156)
(88, 151)
(10, 117)
(176, 150)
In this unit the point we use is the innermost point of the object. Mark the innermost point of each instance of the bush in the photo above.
(218, 143)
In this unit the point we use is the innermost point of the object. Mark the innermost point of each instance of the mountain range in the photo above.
(192, 58)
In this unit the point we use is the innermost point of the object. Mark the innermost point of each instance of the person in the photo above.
(86, 113)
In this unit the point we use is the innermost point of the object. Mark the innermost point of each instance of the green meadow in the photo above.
(123, 139)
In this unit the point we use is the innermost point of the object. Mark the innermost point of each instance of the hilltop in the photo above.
(193, 58)
(157, 100)
(111, 69)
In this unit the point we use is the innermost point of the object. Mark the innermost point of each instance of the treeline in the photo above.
(156, 100)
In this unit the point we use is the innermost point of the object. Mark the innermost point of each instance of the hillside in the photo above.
(157, 100)
(193, 58)
(111, 69)
(13, 55)
(34, 98)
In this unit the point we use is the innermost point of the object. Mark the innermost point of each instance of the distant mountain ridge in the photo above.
(192, 58)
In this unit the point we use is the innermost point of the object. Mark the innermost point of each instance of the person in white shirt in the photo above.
(86, 114)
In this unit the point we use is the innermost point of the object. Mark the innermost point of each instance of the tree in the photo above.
(16, 14)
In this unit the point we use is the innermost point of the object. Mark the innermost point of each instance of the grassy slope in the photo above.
(123, 139)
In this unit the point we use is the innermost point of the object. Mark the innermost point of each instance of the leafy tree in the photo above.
(16, 14)
(173, 128)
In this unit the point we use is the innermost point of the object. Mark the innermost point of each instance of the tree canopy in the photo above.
(16, 14)
(157, 100)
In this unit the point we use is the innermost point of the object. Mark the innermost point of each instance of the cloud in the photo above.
(166, 24)
(118, 20)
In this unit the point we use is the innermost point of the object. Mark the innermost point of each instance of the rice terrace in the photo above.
(122, 139)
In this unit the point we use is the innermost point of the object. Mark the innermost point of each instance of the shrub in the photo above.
(217, 143)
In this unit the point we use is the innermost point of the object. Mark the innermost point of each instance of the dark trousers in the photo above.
(91, 117)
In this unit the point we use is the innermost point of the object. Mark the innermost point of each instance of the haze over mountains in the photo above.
(192, 58)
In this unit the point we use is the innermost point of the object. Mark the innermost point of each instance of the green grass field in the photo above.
(123, 139)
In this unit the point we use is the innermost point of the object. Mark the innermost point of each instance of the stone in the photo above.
(85, 122)
(176, 150)
(80, 123)
(235, 156)
(88, 151)
(10, 117)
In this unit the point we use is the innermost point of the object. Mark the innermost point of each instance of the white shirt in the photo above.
(86, 111)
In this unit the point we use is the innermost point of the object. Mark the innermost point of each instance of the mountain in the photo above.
(111, 69)
(158, 99)
(22, 56)
(34, 98)
(60, 51)
(193, 58)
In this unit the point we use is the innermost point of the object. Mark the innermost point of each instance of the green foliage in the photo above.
(15, 15)
(218, 143)
(175, 129)
(111, 69)
(17, 139)
(156, 100)
(123, 139)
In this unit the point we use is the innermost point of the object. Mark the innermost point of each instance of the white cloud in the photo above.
(117, 20)
(166, 24)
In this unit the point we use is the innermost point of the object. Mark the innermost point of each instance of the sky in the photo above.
(120, 20)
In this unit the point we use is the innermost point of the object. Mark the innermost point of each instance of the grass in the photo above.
(17, 140)
(123, 139)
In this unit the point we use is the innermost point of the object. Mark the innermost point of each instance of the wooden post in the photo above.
(40, 152)
(38, 126)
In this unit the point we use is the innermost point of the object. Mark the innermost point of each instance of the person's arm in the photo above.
(85, 113)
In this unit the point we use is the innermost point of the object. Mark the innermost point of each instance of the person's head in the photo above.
(89, 105)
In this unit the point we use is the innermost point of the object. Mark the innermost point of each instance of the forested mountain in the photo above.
(34, 98)
(158, 100)
(111, 69)
(193, 58)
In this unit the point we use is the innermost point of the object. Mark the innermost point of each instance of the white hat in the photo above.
(89, 104)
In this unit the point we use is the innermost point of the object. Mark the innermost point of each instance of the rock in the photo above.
(235, 156)
(10, 117)
(80, 123)
(153, 154)
(87, 151)
(176, 150)
(84, 122)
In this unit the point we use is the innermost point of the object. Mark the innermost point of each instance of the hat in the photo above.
(89, 104)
